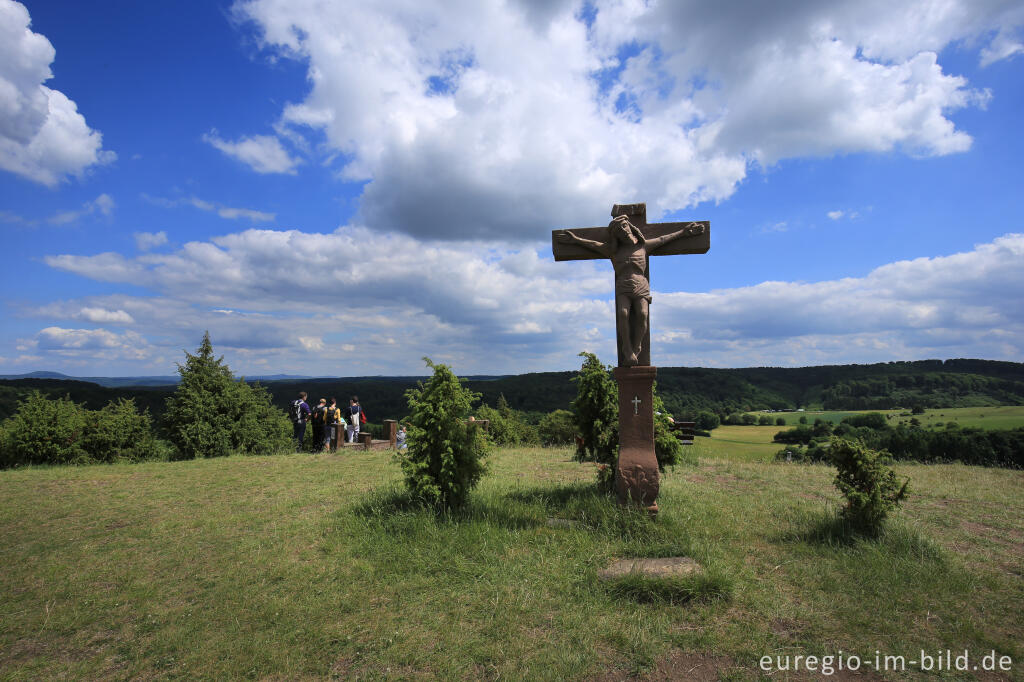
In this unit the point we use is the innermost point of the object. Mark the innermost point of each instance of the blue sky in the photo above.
(342, 190)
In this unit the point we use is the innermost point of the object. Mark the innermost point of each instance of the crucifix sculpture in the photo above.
(629, 242)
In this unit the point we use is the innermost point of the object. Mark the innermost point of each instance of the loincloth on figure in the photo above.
(634, 286)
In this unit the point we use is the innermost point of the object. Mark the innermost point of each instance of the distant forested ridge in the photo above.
(686, 391)
(92, 396)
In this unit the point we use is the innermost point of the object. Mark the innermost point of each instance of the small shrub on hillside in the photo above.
(508, 427)
(59, 431)
(445, 457)
(212, 415)
(596, 411)
(707, 421)
(764, 420)
(557, 428)
(118, 432)
(868, 484)
(43, 431)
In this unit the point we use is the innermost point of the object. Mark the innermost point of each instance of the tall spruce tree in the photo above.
(212, 415)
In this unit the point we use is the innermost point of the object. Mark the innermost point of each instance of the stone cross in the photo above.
(629, 242)
(632, 266)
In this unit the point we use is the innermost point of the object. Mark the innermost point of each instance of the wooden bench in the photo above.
(684, 431)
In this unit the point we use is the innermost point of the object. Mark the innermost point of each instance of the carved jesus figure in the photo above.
(628, 250)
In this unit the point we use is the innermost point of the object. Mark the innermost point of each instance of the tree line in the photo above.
(945, 443)
(208, 414)
(687, 392)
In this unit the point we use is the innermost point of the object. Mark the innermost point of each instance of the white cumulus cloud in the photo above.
(42, 135)
(500, 120)
(965, 304)
(274, 296)
(262, 153)
(95, 343)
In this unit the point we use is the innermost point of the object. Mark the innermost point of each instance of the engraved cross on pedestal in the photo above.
(629, 242)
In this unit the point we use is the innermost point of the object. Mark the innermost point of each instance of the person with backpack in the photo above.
(320, 424)
(353, 419)
(299, 413)
(331, 428)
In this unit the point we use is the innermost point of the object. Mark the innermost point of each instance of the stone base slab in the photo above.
(667, 567)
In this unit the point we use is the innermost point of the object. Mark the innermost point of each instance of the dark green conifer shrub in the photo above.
(43, 431)
(59, 431)
(868, 484)
(596, 413)
(212, 415)
(446, 453)
(118, 432)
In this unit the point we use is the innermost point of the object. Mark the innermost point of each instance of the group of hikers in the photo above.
(330, 422)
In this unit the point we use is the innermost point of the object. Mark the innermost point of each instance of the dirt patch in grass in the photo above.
(680, 665)
(1011, 539)
(785, 628)
(54, 648)
(121, 523)
(693, 667)
(341, 668)
(24, 650)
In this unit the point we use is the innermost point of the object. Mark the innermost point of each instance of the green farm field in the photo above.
(754, 443)
(1002, 417)
(317, 567)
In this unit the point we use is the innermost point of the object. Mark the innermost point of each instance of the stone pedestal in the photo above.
(636, 480)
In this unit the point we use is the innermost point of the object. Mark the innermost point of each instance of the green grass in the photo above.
(313, 567)
(742, 443)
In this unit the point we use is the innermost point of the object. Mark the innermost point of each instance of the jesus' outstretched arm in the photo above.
(567, 237)
(688, 231)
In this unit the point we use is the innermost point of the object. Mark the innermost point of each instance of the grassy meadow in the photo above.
(754, 443)
(1001, 417)
(318, 567)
